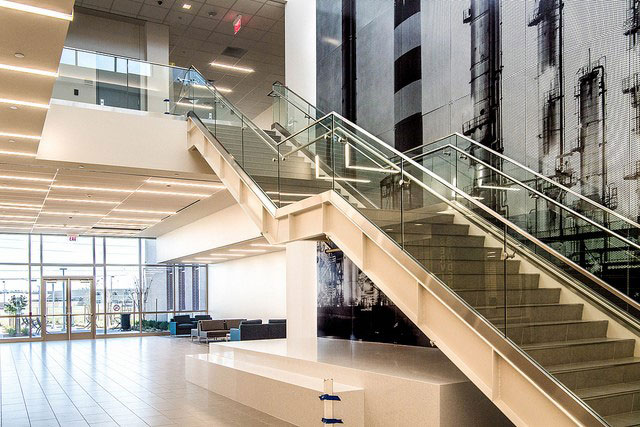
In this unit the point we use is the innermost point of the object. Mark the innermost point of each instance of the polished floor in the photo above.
(111, 382)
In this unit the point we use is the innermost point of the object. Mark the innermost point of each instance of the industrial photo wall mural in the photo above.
(552, 84)
(350, 306)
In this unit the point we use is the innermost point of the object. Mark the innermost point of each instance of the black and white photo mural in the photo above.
(350, 306)
(552, 84)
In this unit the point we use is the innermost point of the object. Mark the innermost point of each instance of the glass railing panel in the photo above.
(306, 163)
(107, 80)
(291, 111)
(540, 223)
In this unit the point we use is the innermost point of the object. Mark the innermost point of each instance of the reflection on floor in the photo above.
(109, 382)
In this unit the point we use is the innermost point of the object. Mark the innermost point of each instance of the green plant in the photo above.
(16, 304)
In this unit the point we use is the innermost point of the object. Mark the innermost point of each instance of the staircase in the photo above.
(543, 346)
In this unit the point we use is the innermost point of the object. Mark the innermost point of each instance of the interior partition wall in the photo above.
(132, 292)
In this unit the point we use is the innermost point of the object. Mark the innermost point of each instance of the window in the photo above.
(122, 251)
(59, 250)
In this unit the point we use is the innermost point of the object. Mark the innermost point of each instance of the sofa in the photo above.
(211, 329)
(256, 330)
(182, 324)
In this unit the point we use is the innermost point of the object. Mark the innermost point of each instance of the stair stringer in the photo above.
(516, 385)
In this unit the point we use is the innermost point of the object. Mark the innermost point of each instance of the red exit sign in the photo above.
(237, 24)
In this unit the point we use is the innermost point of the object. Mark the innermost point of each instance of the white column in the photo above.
(302, 293)
(159, 80)
(300, 47)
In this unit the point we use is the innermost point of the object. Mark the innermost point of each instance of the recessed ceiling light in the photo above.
(236, 255)
(131, 220)
(145, 211)
(223, 89)
(186, 6)
(13, 107)
(121, 190)
(232, 67)
(266, 245)
(188, 104)
(185, 184)
(247, 250)
(26, 178)
(24, 103)
(19, 55)
(17, 135)
(37, 190)
(15, 153)
(37, 10)
(28, 70)
(71, 213)
(104, 202)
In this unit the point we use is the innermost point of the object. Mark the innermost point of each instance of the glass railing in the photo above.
(578, 237)
(113, 81)
(291, 112)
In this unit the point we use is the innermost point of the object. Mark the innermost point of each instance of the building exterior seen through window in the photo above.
(131, 292)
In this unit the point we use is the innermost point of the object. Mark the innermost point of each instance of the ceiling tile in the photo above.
(154, 12)
(247, 6)
(270, 10)
(205, 23)
(260, 23)
(126, 6)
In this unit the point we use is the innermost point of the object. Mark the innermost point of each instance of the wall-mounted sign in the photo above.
(237, 24)
(72, 237)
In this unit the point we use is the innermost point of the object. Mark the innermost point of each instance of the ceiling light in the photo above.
(104, 202)
(9, 187)
(122, 224)
(292, 194)
(121, 190)
(66, 226)
(247, 250)
(210, 259)
(26, 178)
(7, 227)
(24, 103)
(223, 89)
(143, 211)
(6, 205)
(16, 221)
(497, 187)
(71, 213)
(189, 104)
(237, 255)
(19, 55)
(17, 135)
(131, 220)
(186, 6)
(28, 70)
(13, 107)
(266, 245)
(16, 153)
(185, 184)
(37, 10)
(18, 216)
(232, 67)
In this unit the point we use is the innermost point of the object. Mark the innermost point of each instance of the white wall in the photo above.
(100, 136)
(300, 47)
(222, 228)
(302, 289)
(264, 120)
(97, 33)
(252, 288)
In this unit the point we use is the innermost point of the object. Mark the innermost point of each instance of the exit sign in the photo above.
(237, 24)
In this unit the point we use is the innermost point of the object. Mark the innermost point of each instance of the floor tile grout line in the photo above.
(62, 388)
(43, 392)
(20, 384)
(98, 403)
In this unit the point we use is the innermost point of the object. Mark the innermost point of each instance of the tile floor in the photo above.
(111, 382)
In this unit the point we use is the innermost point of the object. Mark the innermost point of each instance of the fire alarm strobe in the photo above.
(237, 24)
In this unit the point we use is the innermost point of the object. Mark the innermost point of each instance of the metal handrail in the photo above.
(537, 174)
(544, 196)
(491, 212)
(128, 58)
(277, 83)
(256, 129)
(293, 135)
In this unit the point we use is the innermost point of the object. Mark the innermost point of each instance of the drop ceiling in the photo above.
(199, 35)
(44, 199)
(33, 42)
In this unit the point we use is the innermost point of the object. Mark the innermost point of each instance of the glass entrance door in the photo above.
(68, 304)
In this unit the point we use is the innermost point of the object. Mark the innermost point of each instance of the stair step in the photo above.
(459, 281)
(626, 419)
(449, 241)
(427, 230)
(524, 313)
(612, 399)
(541, 332)
(394, 216)
(597, 373)
(448, 267)
(447, 253)
(580, 350)
(486, 297)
